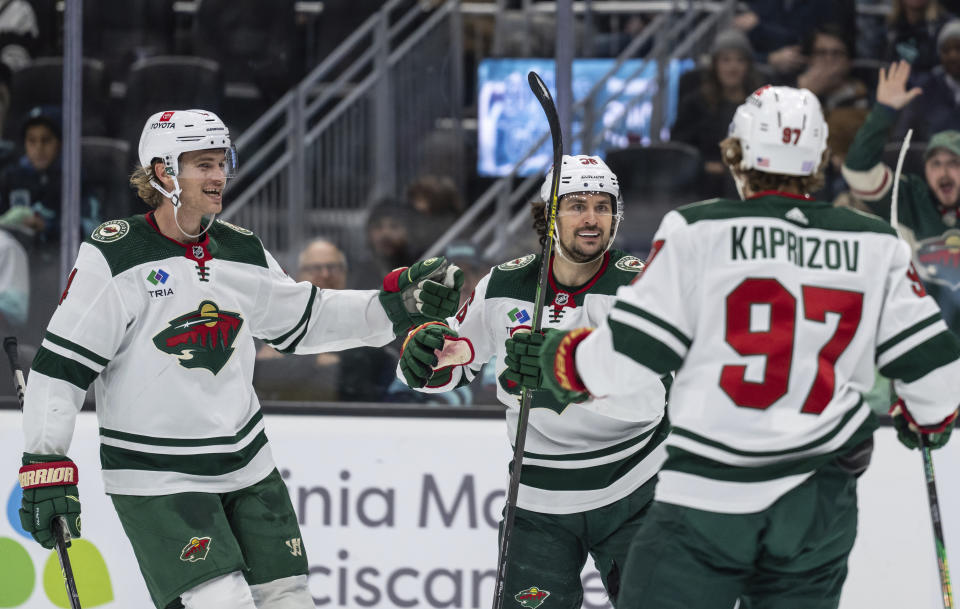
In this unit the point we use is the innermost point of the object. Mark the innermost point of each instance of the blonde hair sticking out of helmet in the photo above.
(584, 173)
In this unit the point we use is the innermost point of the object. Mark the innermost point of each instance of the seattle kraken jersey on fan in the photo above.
(161, 329)
(581, 456)
(774, 312)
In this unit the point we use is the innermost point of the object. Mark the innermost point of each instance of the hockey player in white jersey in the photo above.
(589, 469)
(773, 311)
(159, 315)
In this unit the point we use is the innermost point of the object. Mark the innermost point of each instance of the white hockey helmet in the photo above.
(781, 130)
(585, 173)
(166, 135)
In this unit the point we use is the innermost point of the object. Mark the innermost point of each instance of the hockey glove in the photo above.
(559, 365)
(427, 291)
(908, 432)
(430, 353)
(49, 485)
(523, 362)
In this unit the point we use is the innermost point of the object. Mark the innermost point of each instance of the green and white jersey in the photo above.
(580, 456)
(774, 312)
(164, 331)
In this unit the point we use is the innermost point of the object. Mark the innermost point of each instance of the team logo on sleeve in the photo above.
(197, 549)
(938, 259)
(629, 263)
(532, 597)
(517, 263)
(110, 231)
(202, 338)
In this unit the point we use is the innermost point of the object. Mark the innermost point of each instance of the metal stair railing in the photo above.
(313, 162)
(502, 210)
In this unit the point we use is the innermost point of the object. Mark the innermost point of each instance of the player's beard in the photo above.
(577, 254)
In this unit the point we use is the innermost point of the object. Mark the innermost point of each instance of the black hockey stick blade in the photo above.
(543, 96)
(60, 534)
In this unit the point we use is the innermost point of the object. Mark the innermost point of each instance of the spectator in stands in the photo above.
(437, 203)
(354, 375)
(19, 34)
(33, 181)
(938, 108)
(928, 209)
(391, 241)
(843, 124)
(777, 28)
(704, 114)
(914, 26)
(830, 58)
(14, 284)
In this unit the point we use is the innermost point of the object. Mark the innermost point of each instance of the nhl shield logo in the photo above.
(198, 252)
(197, 549)
(532, 597)
(938, 259)
(202, 338)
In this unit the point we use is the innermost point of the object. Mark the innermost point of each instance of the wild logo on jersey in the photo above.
(202, 338)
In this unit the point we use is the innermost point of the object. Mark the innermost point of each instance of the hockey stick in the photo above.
(59, 526)
(939, 545)
(543, 96)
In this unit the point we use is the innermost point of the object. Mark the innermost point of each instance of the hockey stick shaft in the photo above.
(543, 96)
(938, 540)
(59, 526)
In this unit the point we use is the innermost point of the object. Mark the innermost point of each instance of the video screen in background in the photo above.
(509, 118)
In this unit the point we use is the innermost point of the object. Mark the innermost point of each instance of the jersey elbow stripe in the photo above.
(302, 326)
(902, 342)
(94, 361)
(643, 348)
(872, 184)
(58, 366)
(927, 356)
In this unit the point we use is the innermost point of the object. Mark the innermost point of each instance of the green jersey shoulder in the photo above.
(518, 278)
(129, 242)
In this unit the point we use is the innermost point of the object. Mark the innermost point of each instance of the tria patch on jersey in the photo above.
(532, 597)
(630, 263)
(202, 338)
(197, 549)
(938, 259)
(112, 230)
(517, 263)
(239, 229)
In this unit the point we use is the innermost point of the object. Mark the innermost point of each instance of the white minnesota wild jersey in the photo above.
(580, 456)
(165, 331)
(774, 311)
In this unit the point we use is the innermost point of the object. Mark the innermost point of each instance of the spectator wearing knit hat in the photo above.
(704, 114)
(938, 108)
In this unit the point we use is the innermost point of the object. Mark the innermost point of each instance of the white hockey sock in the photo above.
(284, 593)
(228, 591)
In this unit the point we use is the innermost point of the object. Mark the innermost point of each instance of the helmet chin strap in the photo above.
(175, 199)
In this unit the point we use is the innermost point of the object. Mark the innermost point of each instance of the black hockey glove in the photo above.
(49, 485)
(427, 291)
